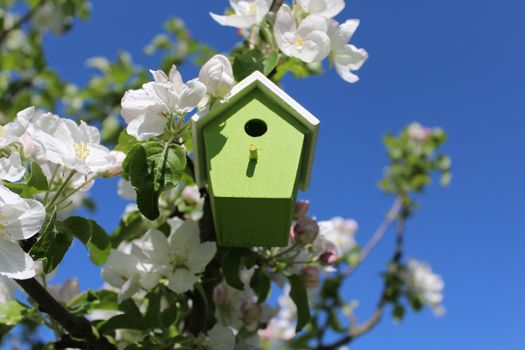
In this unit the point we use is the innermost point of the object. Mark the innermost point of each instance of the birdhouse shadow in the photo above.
(250, 169)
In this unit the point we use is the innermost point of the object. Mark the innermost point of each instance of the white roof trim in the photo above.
(257, 79)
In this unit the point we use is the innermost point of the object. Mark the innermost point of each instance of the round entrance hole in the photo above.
(255, 127)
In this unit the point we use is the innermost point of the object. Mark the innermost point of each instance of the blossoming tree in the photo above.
(168, 285)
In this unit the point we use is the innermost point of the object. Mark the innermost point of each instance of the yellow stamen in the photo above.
(299, 41)
(81, 150)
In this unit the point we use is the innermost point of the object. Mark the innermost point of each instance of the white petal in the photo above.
(14, 262)
(182, 281)
(191, 96)
(129, 288)
(137, 103)
(326, 8)
(312, 23)
(90, 134)
(11, 169)
(147, 126)
(321, 45)
(343, 33)
(24, 220)
(237, 21)
(351, 57)
(175, 78)
(185, 238)
(7, 289)
(159, 76)
(200, 257)
(221, 338)
(156, 246)
(263, 6)
(284, 24)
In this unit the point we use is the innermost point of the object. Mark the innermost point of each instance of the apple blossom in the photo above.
(148, 110)
(181, 256)
(76, 147)
(247, 13)
(346, 57)
(301, 208)
(325, 8)
(20, 219)
(421, 281)
(13, 131)
(7, 289)
(11, 169)
(340, 232)
(220, 338)
(305, 230)
(65, 291)
(308, 41)
(217, 75)
(417, 132)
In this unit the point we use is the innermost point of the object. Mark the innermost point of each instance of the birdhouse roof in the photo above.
(257, 80)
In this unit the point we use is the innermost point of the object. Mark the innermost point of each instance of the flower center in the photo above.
(3, 225)
(81, 150)
(299, 41)
(251, 9)
(179, 261)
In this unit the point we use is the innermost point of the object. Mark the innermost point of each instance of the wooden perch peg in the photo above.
(253, 152)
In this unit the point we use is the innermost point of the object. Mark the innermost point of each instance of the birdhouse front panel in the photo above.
(253, 152)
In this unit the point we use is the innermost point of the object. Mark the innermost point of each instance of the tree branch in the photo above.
(376, 316)
(377, 236)
(78, 327)
(25, 18)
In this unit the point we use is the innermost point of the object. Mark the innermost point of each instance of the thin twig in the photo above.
(78, 327)
(377, 236)
(376, 316)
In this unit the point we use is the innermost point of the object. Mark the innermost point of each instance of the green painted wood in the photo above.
(253, 196)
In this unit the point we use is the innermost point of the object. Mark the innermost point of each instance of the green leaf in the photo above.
(12, 312)
(230, 268)
(248, 61)
(52, 244)
(300, 298)
(261, 284)
(153, 315)
(125, 142)
(151, 167)
(136, 167)
(132, 225)
(92, 236)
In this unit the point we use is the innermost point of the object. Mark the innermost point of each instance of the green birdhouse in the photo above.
(254, 151)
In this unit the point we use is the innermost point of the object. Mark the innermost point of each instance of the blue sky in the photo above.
(457, 64)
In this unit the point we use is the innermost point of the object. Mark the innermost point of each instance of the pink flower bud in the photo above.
(301, 208)
(311, 276)
(329, 256)
(220, 294)
(305, 230)
(191, 194)
(416, 132)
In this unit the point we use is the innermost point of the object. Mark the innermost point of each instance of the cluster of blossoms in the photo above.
(161, 105)
(68, 155)
(424, 284)
(307, 31)
(177, 260)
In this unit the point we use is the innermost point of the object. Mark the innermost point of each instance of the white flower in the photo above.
(416, 132)
(220, 338)
(11, 132)
(308, 42)
(217, 75)
(66, 291)
(148, 110)
(282, 327)
(127, 270)
(126, 190)
(340, 233)
(346, 57)
(20, 219)
(74, 146)
(325, 8)
(11, 169)
(182, 254)
(7, 289)
(423, 282)
(247, 13)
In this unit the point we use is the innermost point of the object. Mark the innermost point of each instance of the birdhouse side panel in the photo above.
(245, 222)
(254, 149)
